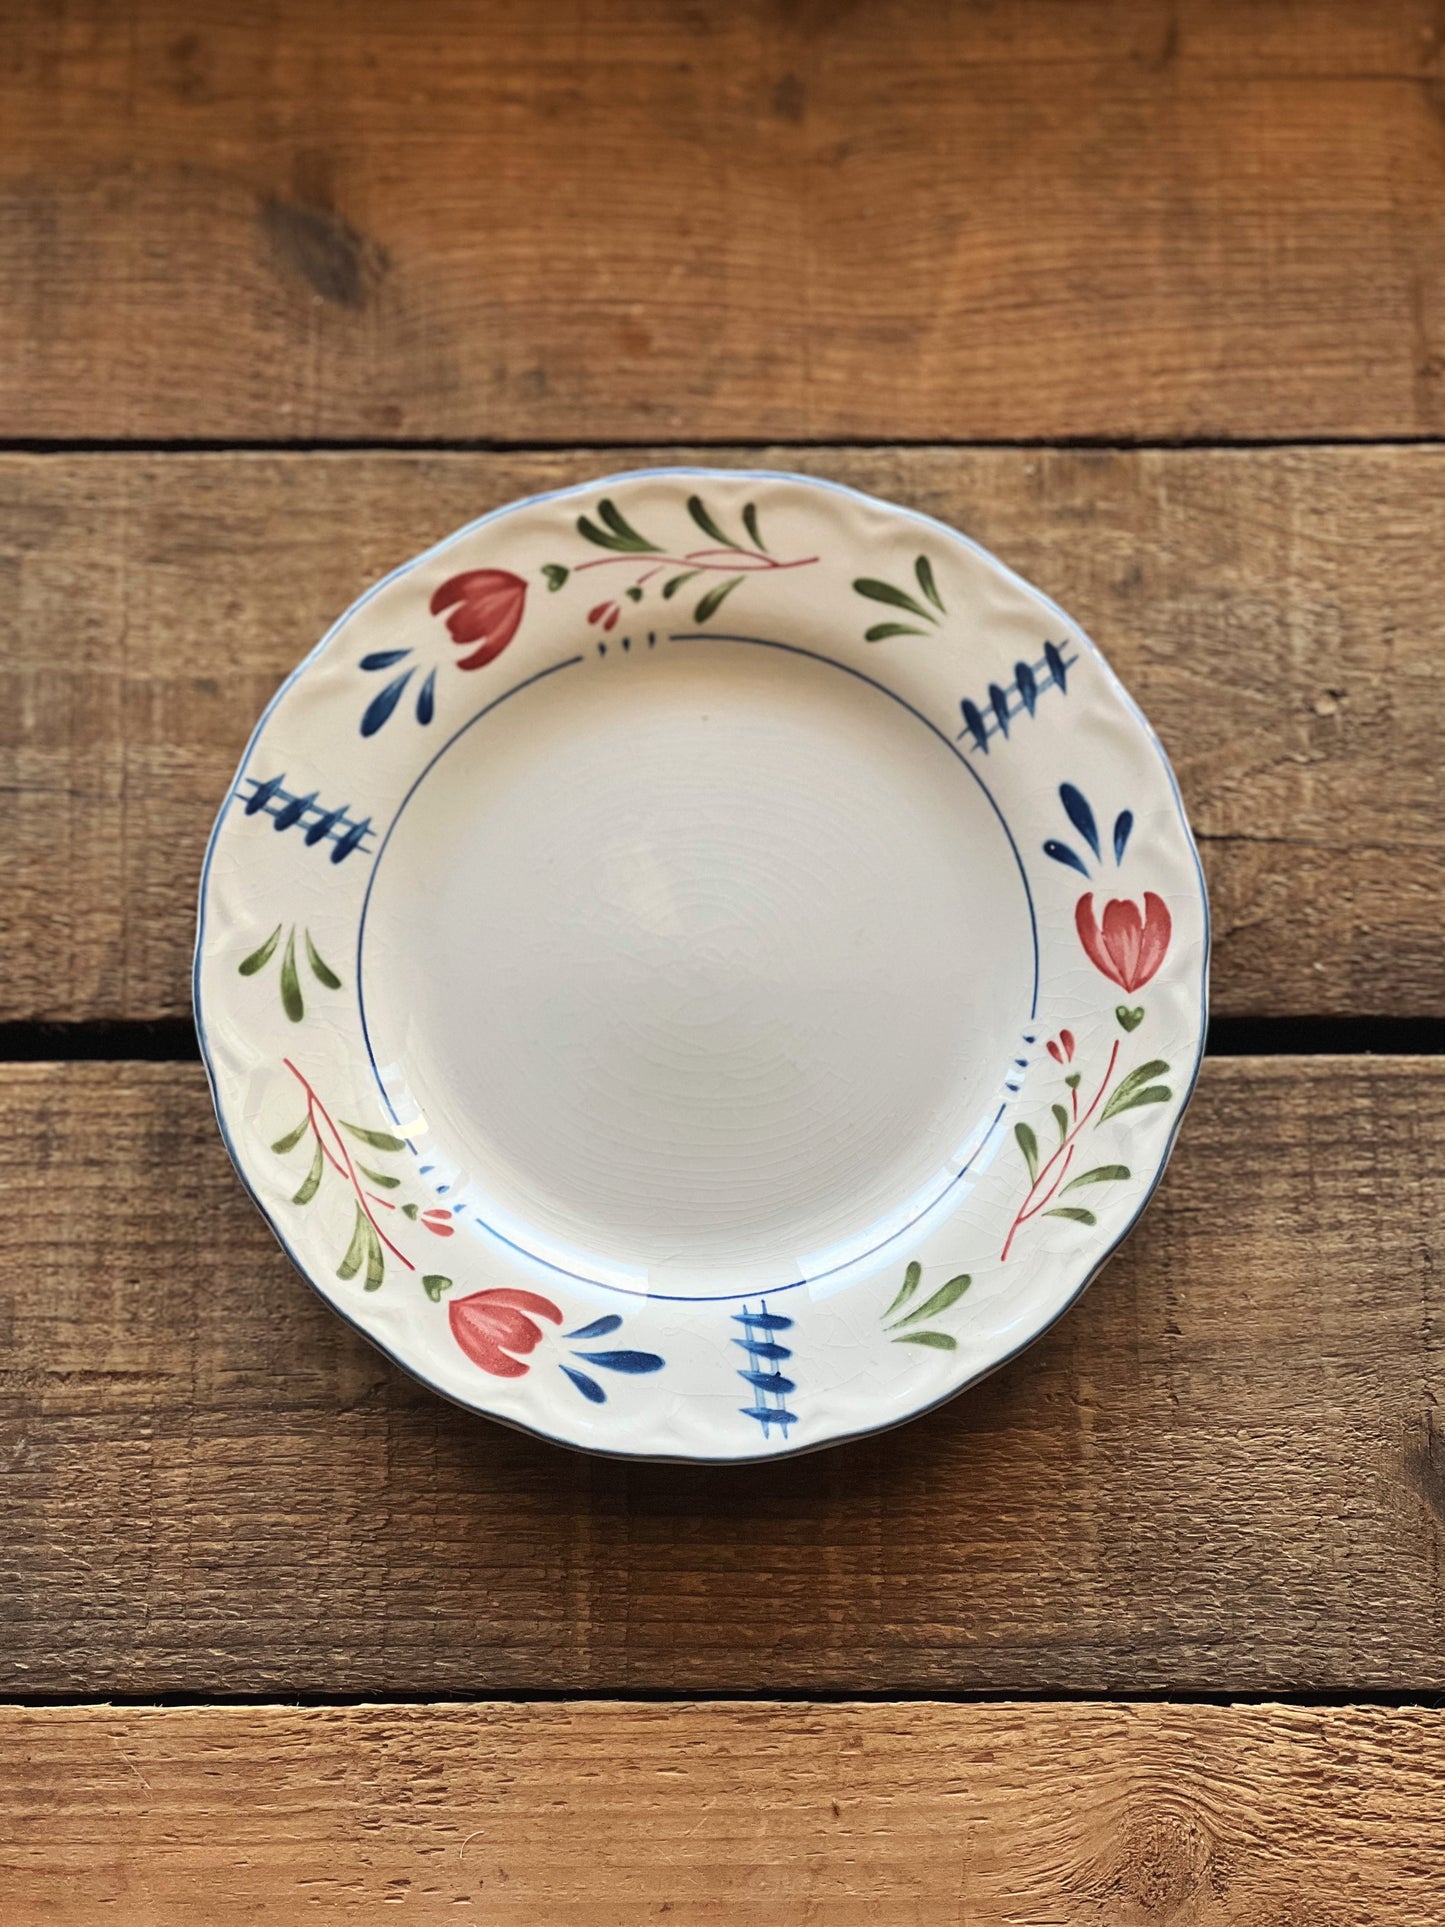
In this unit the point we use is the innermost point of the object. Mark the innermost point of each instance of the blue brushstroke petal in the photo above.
(756, 1348)
(1058, 669)
(324, 825)
(599, 1327)
(1123, 823)
(426, 699)
(1027, 685)
(771, 1382)
(998, 700)
(623, 1361)
(380, 707)
(264, 793)
(1061, 853)
(1080, 815)
(384, 658)
(975, 722)
(352, 839)
(767, 1415)
(772, 1321)
(293, 811)
(588, 1387)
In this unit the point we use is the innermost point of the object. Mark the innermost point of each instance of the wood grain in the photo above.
(1224, 1471)
(757, 1815)
(637, 221)
(1274, 612)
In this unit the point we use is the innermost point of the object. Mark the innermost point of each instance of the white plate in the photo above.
(702, 965)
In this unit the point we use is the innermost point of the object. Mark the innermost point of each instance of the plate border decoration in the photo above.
(1121, 938)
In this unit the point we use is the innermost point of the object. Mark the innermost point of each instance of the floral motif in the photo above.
(762, 1341)
(1127, 945)
(498, 1331)
(941, 1301)
(492, 1326)
(724, 556)
(875, 590)
(329, 1152)
(1007, 702)
(1049, 1180)
(292, 1001)
(486, 606)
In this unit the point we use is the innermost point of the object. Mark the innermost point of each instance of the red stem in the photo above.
(314, 1106)
(1064, 1151)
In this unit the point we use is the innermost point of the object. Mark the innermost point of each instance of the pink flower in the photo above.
(486, 607)
(487, 1321)
(1128, 947)
(1063, 1051)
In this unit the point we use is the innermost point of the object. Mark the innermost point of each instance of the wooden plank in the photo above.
(1275, 612)
(1195, 218)
(759, 1815)
(1223, 1471)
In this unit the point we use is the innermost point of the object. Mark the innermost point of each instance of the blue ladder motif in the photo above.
(317, 824)
(1051, 671)
(765, 1355)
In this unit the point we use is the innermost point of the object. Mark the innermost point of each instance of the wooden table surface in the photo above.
(1148, 295)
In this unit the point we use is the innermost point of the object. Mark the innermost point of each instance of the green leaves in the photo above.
(697, 509)
(912, 1278)
(1029, 1145)
(555, 575)
(879, 591)
(750, 523)
(674, 583)
(1129, 1019)
(378, 1140)
(291, 1001)
(1101, 1174)
(365, 1248)
(617, 533)
(383, 1178)
(293, 1138)
(433, 1284)
(1061, 1118)
(1074, 1211)
(876, 591)
(923, 569)
(1136, 1089)
(258, 959)
(312, 1178)
(934, 1307)
(712, 601)
(939, 1303)
(356, 1250)
(320, 970)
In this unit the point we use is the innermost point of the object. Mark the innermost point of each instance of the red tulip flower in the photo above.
(489, 1321)
(1126, 945)
(486, 607)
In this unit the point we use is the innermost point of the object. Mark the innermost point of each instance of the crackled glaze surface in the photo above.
(702, 964)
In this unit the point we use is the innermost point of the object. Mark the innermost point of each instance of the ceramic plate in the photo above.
(702, 965)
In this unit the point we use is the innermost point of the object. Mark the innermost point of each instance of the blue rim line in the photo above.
(675, 1297)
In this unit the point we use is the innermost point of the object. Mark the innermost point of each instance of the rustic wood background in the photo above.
(1150, 296)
